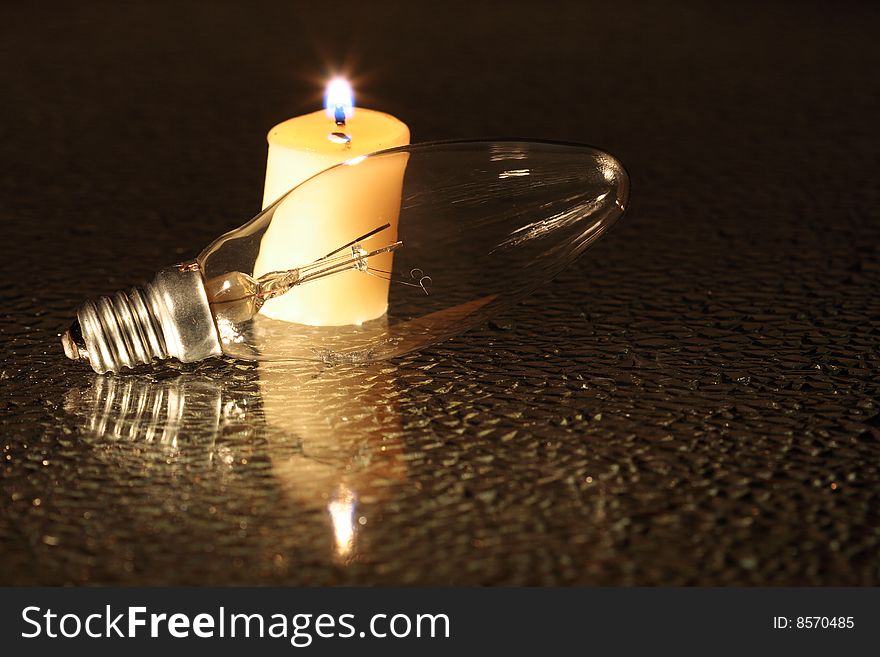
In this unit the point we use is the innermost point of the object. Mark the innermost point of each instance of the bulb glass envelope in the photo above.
(481, 225)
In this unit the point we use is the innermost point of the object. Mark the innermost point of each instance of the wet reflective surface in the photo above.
(695, 401)
(485, 461)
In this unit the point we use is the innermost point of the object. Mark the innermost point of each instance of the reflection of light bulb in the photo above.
(183, 417)
(482, 224)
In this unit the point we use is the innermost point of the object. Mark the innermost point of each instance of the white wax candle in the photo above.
(322, 217)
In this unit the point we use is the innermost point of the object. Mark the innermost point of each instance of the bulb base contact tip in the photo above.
(72, 341)
(167, 318)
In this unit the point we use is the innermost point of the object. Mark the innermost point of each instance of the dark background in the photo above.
(694, 403)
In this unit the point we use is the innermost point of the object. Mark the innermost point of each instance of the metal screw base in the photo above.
(169, 317)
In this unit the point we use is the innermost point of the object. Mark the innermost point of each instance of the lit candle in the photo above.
(320, 217)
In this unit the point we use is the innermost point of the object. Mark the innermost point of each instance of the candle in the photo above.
(321, 217)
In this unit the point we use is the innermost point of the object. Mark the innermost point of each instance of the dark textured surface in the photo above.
(695, 403)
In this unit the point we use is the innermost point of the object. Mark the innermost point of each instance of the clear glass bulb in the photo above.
(370, 259)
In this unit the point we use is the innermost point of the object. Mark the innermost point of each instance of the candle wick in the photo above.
(339, 136)
(339, 116)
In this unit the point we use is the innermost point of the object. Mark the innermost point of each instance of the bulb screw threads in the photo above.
(167, 318)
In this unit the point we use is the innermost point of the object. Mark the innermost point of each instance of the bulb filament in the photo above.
(239, 287)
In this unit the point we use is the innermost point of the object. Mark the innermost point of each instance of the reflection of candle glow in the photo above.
(342, 515)
(335, 440)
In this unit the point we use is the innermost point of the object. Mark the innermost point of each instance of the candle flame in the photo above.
(339, 100)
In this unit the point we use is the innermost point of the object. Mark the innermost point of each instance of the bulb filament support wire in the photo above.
(350, 256)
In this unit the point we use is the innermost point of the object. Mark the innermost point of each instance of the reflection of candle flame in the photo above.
(342, 515)
(335, 440)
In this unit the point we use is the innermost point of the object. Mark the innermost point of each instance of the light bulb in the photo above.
(481, 225)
